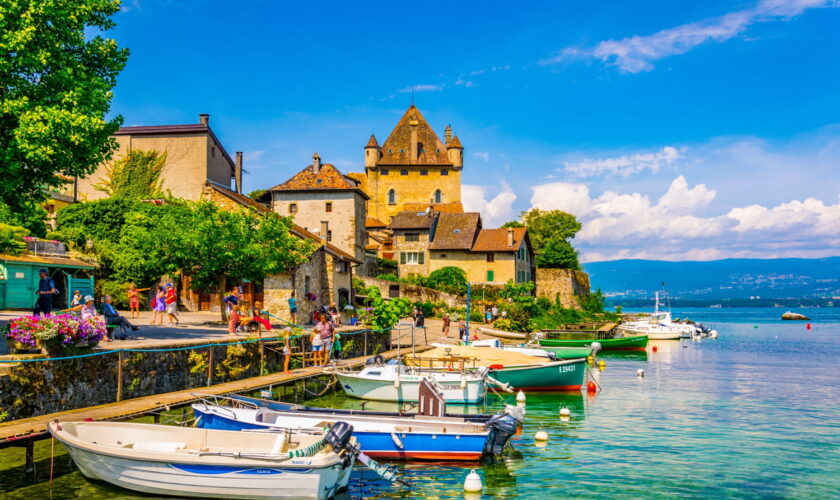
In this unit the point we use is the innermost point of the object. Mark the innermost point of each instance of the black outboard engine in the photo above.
(502, 427)
(338, 436)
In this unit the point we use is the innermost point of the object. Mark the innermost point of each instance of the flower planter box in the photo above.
(16, 347)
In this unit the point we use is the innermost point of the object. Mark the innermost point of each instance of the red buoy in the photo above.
(591, 387)
(808, 326)
(654, 348)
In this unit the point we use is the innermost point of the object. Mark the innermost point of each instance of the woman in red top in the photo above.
(171, 304)
(134, 300)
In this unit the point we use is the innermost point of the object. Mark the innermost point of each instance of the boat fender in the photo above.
(397, 380)
(397, 441)
(541, 436)
(520, 397)
(602, 364)
(565, 412)
(596, 346)
(496, 366)
(463, 381)
(591, 387)
(655, 349)
(472, 484)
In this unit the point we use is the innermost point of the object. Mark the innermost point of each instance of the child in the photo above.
(134, 300)
(446, 322)
(287, 354)
(233, 320)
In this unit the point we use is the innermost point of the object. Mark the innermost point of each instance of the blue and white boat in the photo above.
(407, 437)
(205, 463)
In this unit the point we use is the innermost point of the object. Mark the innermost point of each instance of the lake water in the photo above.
(754, 413)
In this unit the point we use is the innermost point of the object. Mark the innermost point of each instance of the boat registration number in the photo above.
(447, 387)
(565, 368)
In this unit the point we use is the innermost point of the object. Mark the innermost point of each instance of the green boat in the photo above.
(564, 375)
(636, 343)
(568, 352)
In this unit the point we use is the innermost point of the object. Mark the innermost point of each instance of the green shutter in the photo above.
(421, 258)
(402, 257)
(490, 276)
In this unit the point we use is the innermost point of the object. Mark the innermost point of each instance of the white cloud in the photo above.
(624, 165)
(420, 88)
(483, 155)
(495, 212)
(636, 54)
(630, 225)
(465, 83)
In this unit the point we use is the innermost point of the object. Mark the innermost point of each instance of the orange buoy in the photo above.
(591, 387)
(654, 349)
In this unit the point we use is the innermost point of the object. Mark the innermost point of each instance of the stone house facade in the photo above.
(324, 202)
(412, 166)
(411, 235)
(194, 157)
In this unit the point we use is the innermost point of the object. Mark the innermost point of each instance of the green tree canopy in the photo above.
(448, 279)
(135, 176)
(11, 239)
(513, 223)
(545, 225)
(384, 314)
(56, 81)
(558, 254)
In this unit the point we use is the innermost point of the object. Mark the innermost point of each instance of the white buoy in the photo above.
(596, 346)
(541, 436)
(472, 483)
(520, 397)
(713, 334)
(565, 412)
(640, 373)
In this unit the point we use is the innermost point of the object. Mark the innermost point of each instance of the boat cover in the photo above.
(486, 356)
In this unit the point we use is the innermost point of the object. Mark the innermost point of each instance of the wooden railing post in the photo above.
(119, 375)
(210, 366)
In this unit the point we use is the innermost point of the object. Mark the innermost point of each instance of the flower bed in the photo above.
(54, 334)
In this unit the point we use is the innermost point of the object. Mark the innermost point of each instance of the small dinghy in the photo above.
(193, 462)
(409, 437)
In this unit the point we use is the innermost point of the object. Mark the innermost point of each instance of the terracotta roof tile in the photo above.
(396, 150)
(455, 143)
(372, 142)
(328, 178)
(239, 198)
(373, 222)
(456, 231)
(304, 234)
(412, 220)
(452, 208)
(496, 240)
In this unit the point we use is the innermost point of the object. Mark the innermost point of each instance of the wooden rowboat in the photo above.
(565, 375)
(638, 342)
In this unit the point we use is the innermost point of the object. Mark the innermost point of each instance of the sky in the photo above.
(672, 130)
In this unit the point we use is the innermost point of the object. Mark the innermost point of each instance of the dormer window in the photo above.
(318, 181)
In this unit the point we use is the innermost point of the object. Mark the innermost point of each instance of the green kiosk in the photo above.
(19, 279)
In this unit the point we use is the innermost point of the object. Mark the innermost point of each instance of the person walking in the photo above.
(446, 322)
(326, 330)
(488, 316)
(134, 300)
(46, 292)
(293, 307)
(171, 300)
(462, 329)
(232, 310)
(336, 318)
(494, 312)
(159, 305)
(112, 317)
(420, 320)
(317, 343)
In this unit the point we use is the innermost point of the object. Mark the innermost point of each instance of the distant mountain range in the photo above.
(627, 281)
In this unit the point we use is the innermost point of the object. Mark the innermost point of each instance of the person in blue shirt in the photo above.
(46, 292)
(112, 317)
(293, 307)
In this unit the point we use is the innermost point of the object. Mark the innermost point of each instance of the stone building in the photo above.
(194, 157)
(427, 241)
(412, 166)
(325, 202)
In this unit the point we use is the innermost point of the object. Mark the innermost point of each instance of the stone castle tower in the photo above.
(412, 169)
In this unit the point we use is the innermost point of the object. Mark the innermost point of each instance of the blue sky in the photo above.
(675, 130)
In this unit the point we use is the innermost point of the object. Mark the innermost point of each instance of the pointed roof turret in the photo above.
(372, 142)
(397, 148)
(455, 143)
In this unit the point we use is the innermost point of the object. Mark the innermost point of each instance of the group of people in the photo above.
(106, 312)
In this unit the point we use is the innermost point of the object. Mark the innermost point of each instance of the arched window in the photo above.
(392, 197)
(438, 196)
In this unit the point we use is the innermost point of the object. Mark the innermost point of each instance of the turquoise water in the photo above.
(754, 413)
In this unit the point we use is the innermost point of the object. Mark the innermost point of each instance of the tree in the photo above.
(448, 279)
(135, 176)
(545, 225)
(384, 314)
(56, 81)
(11, 239)
(518, 292)
(558, 254)
(513, 223)
(29, 214)
(257, 194)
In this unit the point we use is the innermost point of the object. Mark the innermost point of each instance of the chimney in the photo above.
(316, 163)
(412, 145)
(204, 119)
(447, 135)
(325, 231)
(237, 172)
(510, 236)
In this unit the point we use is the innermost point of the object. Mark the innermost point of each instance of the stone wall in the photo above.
(415, 293)
(562, 285)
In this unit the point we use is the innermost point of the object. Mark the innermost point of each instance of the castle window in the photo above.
(402, 151)
(328, 206)
(392, 197)
(444, 172)
(390, 150)
(424, 172)
(307, 285)
(437, 150)
(438, 196)
(491, 257)
(384, 171)
(403, 172)
(420, 148)
(443, 256)
(412, 236)
(292, 208)
(318, 181)
(213, 151)
(329, 234)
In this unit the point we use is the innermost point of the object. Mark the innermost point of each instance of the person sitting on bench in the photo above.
(112, 317)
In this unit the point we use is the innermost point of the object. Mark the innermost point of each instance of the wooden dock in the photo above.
(24, 432)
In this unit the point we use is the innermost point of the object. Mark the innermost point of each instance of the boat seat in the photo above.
(162, 446)
(266, 416)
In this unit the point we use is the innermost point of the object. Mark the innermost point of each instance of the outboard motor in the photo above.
(338, 436)
(502, 427)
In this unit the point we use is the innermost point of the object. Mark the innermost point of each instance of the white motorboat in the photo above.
(187, 461)
(399, 383)
(659, 326)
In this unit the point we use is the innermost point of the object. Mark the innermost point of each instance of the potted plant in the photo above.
(53, 335)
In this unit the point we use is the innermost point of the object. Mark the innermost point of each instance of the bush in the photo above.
(117, 290)
(386, 264)
(503, 324)
(543, 303)
(11, 239)
(592, 302)
(388, 277)
(449, 279)
(358, 286)
(558, 254)
(415, 279)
